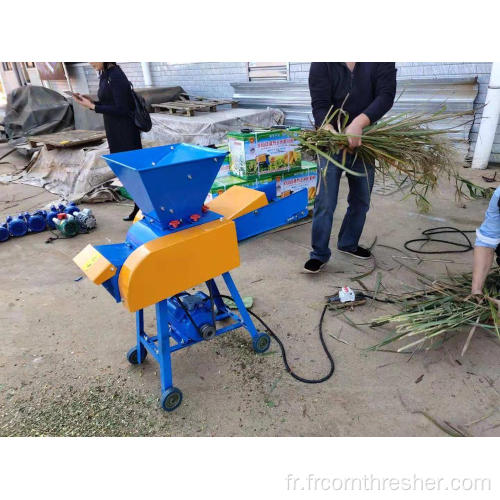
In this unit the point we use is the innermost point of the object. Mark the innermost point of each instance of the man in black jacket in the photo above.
(365, 91)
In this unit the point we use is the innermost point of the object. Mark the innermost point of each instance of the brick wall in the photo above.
(133, 71)
(210, 79)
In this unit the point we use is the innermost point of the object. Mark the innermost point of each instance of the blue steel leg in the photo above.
(241, 307)
(221, 307)
(139, 325)
(163, 345)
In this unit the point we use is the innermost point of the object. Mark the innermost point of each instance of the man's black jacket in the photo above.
(371, 87)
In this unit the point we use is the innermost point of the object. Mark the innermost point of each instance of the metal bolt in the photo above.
(171, 210)
(190, 176)
(153, 163)
(215, 160)
(162, 209)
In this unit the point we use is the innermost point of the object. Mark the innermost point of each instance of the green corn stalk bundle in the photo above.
(434, 315)
(402, 147)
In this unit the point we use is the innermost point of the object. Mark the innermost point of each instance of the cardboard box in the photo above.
(262, 152)
(224, 170)
(286, 182)
(291, 182)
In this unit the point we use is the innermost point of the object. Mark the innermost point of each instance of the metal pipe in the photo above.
(2, 83)
(489, 121)
(68, 80)
(146, 71)
(18, 75)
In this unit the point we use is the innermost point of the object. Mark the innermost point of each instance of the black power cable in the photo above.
(429, 233)
(283, 352)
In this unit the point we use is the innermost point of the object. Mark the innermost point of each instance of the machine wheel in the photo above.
(132, 355)
(261, 343)
(171, 399)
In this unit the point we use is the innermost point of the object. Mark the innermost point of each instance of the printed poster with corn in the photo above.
(263, 152)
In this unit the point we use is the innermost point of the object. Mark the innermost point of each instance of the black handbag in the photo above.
(140, 114)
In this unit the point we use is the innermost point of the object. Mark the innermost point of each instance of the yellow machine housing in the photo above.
(176, 262)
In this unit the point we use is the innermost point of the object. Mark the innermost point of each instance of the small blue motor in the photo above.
(4, 232)
(36, 222)
(52, 214)
(17, 226)
(191, 317)
(71, 208)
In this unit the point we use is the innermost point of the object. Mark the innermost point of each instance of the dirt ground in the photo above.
(63, 369)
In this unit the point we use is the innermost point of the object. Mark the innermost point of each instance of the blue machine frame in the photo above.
(161, 347)
(279, 212)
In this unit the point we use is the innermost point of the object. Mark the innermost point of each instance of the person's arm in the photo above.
(355, 130)
(483, 258)
(385, 91)
(120, 89)
(487, 239)
(319, 88)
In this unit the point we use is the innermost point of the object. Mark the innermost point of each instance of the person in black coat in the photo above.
(116, 104)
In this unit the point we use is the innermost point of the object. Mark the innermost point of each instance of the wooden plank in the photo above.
(67, 139)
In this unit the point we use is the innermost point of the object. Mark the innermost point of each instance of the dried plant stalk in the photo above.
(444, 309)
(402, 147)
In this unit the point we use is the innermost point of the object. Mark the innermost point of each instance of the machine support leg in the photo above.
(212, 286)
(241, 306)
(139, 324)
(163, 345)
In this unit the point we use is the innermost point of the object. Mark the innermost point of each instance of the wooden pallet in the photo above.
(188, 107)
(207, 100)
(67, 139)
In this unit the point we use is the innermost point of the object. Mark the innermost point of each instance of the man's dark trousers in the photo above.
(360, 188)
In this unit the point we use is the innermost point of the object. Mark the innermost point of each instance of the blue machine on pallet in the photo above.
(179, 243)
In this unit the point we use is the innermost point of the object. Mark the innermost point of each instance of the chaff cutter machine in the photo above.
(180, 243)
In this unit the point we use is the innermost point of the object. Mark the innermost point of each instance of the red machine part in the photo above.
(174, 224)
(195, 217)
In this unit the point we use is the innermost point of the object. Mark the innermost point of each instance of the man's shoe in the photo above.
(313, 266)
(128, 218)
(359, 253)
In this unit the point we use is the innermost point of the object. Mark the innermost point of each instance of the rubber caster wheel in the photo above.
(261, 343)
(132, 355)
(171, 399)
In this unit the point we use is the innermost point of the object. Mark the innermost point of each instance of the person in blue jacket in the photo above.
(116, 104)
(487, 244)
(366, 91)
